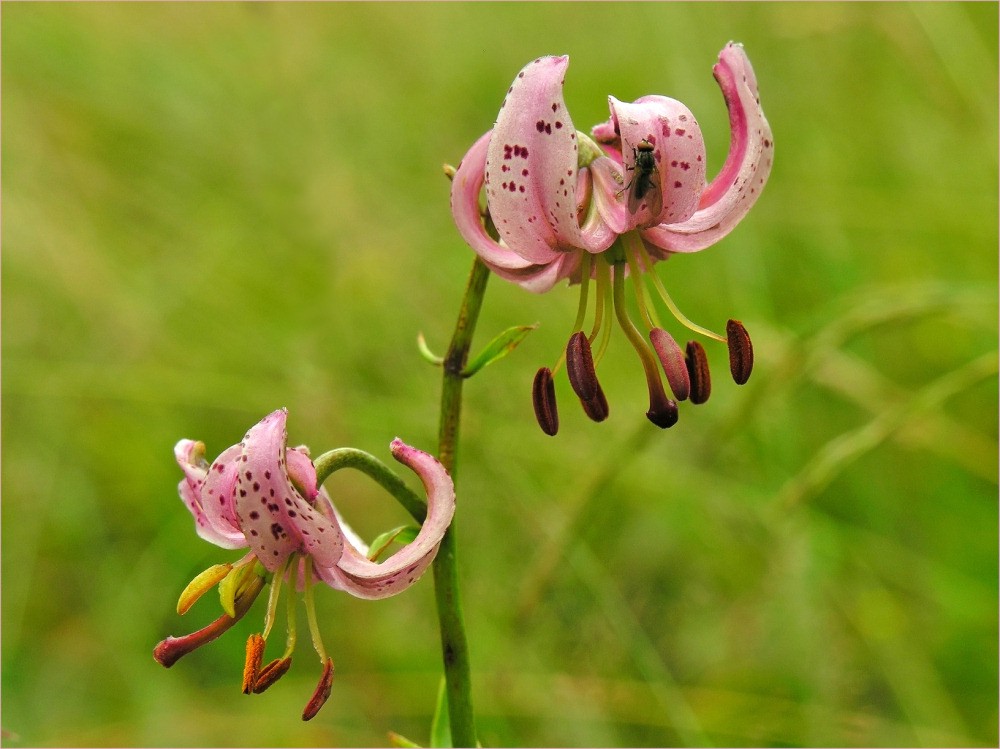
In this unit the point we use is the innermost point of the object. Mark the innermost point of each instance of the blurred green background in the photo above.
(211, 211)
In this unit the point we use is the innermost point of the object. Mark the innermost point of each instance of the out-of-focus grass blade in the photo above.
(441, 724)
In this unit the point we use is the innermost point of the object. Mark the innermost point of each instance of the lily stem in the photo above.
(454, 646)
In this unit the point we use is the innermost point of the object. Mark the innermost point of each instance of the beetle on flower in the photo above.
(564, 205)
(262, 495)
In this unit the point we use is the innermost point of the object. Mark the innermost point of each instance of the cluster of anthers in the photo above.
(564, 205)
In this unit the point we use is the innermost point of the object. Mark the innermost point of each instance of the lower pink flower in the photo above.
(262, 496)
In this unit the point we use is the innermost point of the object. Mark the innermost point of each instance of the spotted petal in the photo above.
(465, 187)
(210, 523)
(360, 577)
(276, 519)
(736, 188)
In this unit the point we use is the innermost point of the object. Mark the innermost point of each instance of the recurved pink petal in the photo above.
(531, 165)
(190, 456)
(209, 521)
(366, 579)
(739, 183)
(541, 278)
(465, 187)
(679, 151)
(302, 471)
(219, 490)
(609, 194)
(276, 519)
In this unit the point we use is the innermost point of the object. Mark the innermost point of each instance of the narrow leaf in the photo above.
(404, 534)
(400, 741)
(498, 348)
(426, 353)
(441, 724)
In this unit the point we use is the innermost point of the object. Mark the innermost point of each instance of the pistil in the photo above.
(662, 411)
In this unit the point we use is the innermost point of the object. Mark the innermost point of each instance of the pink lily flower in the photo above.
(564, 205)
(262, 496)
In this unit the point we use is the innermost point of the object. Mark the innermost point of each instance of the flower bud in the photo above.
(543, 397)
(740, 351)
(697, 367)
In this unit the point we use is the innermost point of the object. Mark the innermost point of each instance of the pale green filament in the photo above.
(311, 613)
(581, 312)
(631, 240)
(290, 601)
(670, 302)
(633, 335)
(604, 291)
(272, 597)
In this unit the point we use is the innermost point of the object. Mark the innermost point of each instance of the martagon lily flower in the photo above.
(262, 495)
(564, 205)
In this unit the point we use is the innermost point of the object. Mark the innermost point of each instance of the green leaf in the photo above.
(498, 348)
(401, 741)
(426, 353)
(404, 534)
(441, 724)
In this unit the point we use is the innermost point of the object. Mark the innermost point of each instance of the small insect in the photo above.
(642, 184)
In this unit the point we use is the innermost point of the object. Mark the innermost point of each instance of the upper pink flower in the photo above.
(262, 496)
(560, 204)
(552, 192)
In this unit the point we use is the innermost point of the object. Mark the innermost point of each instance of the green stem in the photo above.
(454, 646)
(349, 457)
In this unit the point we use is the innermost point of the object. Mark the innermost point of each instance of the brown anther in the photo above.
(271, 673)
(672, 359)
(740, 351)
(543, 397)
(697, 367)
(255, 656)
(583, 377)
(322, 693)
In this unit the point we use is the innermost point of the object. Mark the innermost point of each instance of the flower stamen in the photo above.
(701, 379)
(322, 693)
(740, 352)
(251, 667)
(581, 313)
(667, 300)
(317, 640)
(271, 673)
(583, 377)
(604, 302)
(543, 398)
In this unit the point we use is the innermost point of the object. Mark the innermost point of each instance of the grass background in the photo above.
(214, 210)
